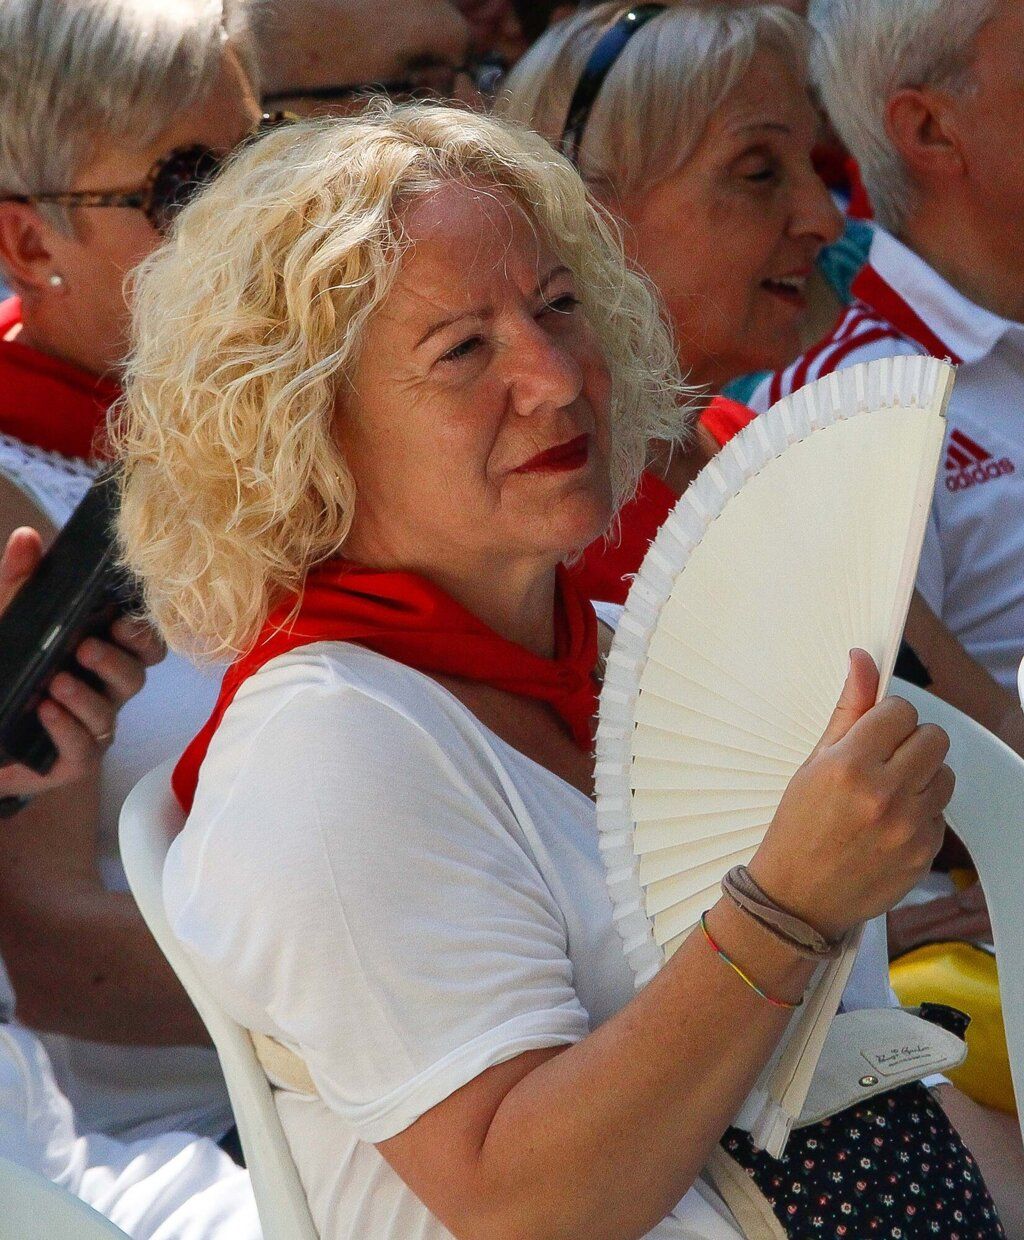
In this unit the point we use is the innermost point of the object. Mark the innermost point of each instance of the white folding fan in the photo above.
(799, 541)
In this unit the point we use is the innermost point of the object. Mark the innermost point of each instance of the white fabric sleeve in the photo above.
(366, 888)
(931, 570)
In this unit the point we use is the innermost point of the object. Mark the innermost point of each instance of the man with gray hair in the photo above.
(928, 96)
(320, 57)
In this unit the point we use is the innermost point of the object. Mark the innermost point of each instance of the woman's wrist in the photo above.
(740, 886)
(798, 903)
(774, 967)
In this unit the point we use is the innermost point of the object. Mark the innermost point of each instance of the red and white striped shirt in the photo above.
(972, 566)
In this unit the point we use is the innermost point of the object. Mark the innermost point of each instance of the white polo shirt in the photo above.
(972, 566)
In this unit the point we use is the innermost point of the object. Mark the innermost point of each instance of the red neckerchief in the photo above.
(606, 568)
(405, 617)
(725, 418)
(47, 402)
(878, 294)
(859, 207)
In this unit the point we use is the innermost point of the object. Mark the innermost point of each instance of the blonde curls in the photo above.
(248, 320)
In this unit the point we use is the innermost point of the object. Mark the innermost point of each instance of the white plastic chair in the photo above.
(987, 813)
(31, 1208)
(150, 819)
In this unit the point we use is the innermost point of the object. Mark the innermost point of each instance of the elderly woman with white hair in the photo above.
(693, 127)
(389, 373)
(112, 113)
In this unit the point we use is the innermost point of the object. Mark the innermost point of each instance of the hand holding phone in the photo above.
(69, 602)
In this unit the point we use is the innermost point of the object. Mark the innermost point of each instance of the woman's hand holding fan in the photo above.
(719, 737)
(861, 821)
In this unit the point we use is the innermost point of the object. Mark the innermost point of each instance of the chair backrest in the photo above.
(31, 1208)
(987, 813)
(150, 819)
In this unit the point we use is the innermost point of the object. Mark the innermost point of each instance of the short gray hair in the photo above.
(75, 73)
(869, 49)
(664, 88)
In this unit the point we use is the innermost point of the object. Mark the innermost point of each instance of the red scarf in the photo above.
(47, 402)
(405, 617)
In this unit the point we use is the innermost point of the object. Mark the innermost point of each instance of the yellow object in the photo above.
(963, 976)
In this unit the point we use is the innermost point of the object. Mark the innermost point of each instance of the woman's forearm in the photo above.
(81, 959)
(604, 1138)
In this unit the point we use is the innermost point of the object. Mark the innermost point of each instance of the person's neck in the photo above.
(47, 335)
(515, 599)
(518, 604)
(983, 262)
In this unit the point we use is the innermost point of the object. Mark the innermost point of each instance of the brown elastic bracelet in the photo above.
(750, 899)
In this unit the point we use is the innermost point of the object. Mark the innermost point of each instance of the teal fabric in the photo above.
(840, 263)
(743, 388)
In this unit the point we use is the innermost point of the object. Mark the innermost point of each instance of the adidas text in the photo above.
(986, 471)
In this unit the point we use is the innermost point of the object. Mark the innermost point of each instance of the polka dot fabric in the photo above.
(893, 1168)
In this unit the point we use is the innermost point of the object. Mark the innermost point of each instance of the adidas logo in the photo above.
(968, 464)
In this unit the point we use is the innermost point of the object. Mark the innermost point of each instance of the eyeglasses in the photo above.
(432, 81)
(172, 182)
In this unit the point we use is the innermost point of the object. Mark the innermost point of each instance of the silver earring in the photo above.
(56, 281)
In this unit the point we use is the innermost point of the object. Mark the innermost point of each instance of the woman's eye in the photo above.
(463, 349)
(565, 304)
(760, 174)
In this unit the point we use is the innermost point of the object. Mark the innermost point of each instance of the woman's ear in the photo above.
(922, 126)
(26, 254)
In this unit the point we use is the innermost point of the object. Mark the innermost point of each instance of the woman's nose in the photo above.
(543, 371)
(814, 213)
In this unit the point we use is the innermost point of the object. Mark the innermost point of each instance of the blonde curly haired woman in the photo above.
(389, 373)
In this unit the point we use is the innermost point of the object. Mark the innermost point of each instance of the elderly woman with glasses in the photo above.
(389, 374)
(112, 112)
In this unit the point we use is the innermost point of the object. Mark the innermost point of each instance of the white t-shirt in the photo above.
(172, 1187)
(971, 564)
(128, 1091)
(377, 880)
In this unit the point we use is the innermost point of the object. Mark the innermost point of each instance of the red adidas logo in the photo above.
(968, 464)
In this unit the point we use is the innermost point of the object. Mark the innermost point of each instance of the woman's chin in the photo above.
(581, 524)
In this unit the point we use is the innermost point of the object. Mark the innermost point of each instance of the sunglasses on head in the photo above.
(172, 182)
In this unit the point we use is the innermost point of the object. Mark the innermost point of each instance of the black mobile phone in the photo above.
(77, 591)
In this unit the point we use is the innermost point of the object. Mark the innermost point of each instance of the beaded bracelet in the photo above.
(779, 1003)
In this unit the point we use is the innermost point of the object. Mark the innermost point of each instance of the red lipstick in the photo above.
(563, 458)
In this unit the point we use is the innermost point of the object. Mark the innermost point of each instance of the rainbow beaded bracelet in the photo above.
(779, 1003)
